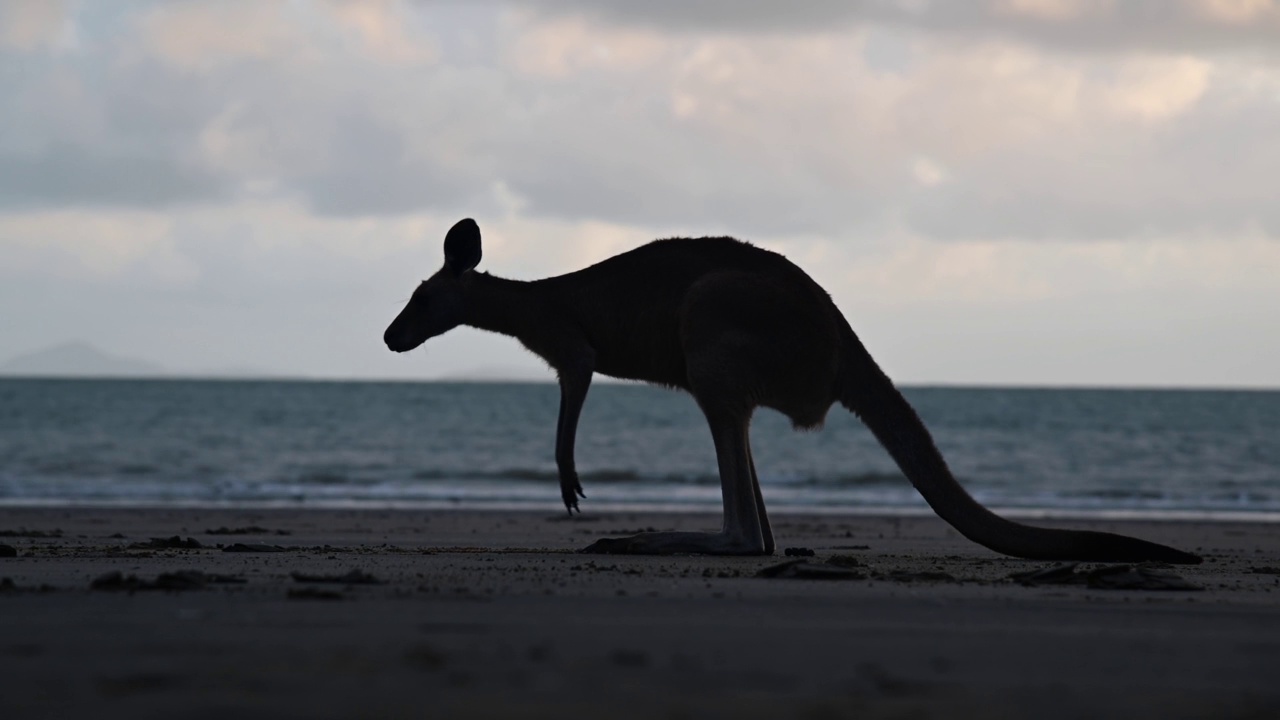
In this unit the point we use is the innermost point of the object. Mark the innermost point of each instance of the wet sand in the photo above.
(139, 613)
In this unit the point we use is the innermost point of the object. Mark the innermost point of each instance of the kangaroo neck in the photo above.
(509, 307)
(520, 309)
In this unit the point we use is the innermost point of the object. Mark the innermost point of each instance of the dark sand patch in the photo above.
(174, 542)
(352, 577)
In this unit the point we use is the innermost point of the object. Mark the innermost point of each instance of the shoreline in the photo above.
(481, 613)
(554, 507)
(550, 380)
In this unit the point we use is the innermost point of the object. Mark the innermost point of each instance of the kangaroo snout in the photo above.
(396, 341)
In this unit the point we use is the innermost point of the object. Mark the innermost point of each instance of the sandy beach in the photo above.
(199, 613)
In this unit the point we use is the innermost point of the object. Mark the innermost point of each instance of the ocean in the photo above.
(1028, 452)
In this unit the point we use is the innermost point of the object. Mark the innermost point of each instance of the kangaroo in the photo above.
(738, 327)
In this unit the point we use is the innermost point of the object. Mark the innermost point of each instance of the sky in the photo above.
(997, 192)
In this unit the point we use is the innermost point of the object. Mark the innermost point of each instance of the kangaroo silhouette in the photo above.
(738, 327)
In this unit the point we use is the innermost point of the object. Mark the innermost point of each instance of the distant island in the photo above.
(78, 359)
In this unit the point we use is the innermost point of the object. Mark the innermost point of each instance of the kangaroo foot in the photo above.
(672, 543)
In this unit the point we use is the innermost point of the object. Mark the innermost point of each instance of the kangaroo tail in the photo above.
(868, 393)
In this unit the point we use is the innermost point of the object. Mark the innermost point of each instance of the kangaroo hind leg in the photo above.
(745, 530)
(766, 531)
(729, 323)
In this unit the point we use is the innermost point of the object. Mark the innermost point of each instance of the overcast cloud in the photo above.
(1023, 191)
(1087, 25)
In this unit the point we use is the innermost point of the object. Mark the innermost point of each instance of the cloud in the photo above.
(785, 135)
(90, 247)
(1077, 25)
(994, 191)
(957, 121)
(201, 36)
(1127, 161)
(72, 175)
(29, 25)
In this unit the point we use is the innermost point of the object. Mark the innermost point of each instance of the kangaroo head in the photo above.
(437, 306)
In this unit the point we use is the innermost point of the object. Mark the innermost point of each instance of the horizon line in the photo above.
(299, 378)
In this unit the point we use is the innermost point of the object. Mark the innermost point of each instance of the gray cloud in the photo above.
(696, 186)
(276, 182)
(1210, 172)
(71, 175)
(351, 137)
(371, 171)
(99, 131)
(1177, 25)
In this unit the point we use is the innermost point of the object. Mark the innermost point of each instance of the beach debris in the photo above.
(252, 548)
(591, 566)
(8, 551)
(246, 530)
(312, 593)
(847, 567)
(172, 581)
(798, 552)
(7, 585)
(1265, 570)
(354, 577)
(626, 531)
(1138, 577)
(918, 576)
(25, 533)
(1064, 574)
(807, 570)
(169, 543)
(1145, 576)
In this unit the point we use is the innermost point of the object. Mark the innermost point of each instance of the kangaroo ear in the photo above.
(462, 246)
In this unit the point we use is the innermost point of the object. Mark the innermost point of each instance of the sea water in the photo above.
(474, 445)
